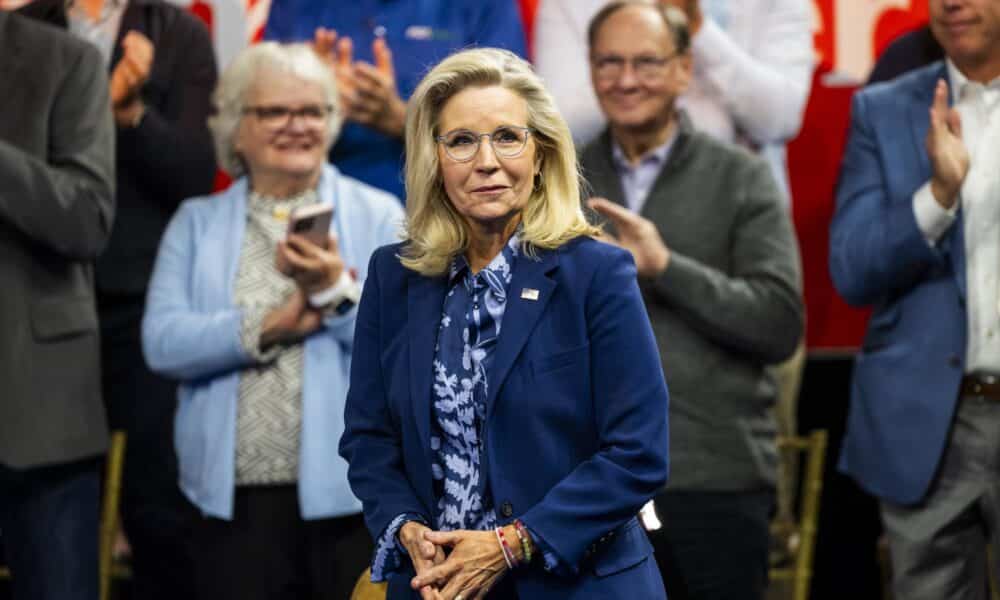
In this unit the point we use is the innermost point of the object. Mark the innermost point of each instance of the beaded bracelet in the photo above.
(508, 555)
(522, 535)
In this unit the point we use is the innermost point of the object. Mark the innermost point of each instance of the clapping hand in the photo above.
(945, 149)
(129, 75)
(368, 93)
(691, 8)
(636, 234)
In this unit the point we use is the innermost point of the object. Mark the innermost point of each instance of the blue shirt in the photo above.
(420, 33)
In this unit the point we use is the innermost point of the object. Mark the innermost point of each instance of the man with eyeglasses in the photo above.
(719, 271)
(161, 68)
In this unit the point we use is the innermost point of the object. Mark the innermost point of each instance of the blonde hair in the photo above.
(230, 96)
(435, 232)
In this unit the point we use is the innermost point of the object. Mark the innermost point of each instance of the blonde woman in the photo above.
(507, 415)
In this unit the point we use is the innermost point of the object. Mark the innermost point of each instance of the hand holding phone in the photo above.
(312, 222)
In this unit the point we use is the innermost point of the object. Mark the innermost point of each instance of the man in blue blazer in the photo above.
(916, 235)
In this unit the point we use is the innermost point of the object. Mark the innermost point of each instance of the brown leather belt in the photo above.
(984, 386)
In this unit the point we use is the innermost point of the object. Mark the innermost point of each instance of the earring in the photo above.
(539, 183)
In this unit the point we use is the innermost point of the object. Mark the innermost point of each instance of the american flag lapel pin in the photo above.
(529, 294)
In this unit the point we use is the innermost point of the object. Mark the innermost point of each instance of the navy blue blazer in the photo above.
(906, 378)
(576, 435)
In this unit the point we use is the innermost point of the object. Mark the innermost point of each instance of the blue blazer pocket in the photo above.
(578, 356)
(626, 547)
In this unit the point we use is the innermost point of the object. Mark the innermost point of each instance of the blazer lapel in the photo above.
(530, 291)
(424, 299)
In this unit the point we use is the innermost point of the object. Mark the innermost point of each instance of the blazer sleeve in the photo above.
(66, 200)
(630, 403)
(178, 340)
(171, 148)
(756, 307)
(876, 247)
(372, 441)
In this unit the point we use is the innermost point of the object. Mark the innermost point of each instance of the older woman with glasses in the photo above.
(507, 415)
(258, 326)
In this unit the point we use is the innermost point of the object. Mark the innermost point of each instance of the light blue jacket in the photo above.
(190, 332)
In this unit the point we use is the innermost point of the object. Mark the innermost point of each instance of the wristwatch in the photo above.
(338, 298)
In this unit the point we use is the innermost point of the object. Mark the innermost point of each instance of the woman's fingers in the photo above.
(437, 574)
(443, 538)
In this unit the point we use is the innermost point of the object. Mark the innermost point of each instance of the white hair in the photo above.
(230, 94)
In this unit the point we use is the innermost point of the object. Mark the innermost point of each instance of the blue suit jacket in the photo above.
(576, 433)
(907, 375)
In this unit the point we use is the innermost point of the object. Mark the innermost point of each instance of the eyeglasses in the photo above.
(276, 116)
(648, 68)
(507, 141)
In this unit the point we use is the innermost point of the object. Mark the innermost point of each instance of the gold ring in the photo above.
(458, 597)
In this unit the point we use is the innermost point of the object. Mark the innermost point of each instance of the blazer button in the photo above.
(507, 509)
(954, 361)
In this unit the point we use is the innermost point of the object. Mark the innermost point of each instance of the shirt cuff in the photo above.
(932, 219)
(250, 327)
(389, 551)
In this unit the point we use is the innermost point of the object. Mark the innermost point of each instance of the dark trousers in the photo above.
(713, 545)
(268, 552)
(49, 517)
(156, 516)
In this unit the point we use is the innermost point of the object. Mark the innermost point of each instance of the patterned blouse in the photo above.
(467, 338)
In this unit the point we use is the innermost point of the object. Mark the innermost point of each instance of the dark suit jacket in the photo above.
(575, 439)
(906, 378)
(56, 206)
(169, 157)
(728, 304)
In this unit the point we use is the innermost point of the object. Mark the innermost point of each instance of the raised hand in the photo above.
(947, 152)
(338, 54)
(636, 234)
(376, 102)
(475, 565)
(691, 8)
(423, 554)
(132, 71)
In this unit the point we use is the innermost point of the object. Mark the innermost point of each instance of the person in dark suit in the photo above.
(915, 236)
(719, 271)
(56, 208)
(506, 398)
(910, 51)
(162, 71)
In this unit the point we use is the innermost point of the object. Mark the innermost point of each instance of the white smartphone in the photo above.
(312, 222)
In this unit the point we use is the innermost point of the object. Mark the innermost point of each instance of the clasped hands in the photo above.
(469, 571)
(314, 269)
(368, 93)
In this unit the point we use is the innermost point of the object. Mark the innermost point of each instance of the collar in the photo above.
(960, 84)
(495, 273)
(655, 157)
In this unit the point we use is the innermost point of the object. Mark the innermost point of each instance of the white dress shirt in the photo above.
(753, 67)
(978, 106)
